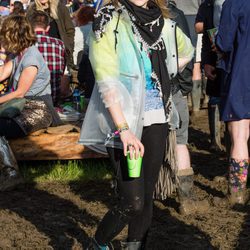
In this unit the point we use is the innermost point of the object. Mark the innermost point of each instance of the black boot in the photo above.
(133, 245)
(188, 201)
(214, 127)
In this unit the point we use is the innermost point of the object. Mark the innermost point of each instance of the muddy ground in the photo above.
(63, 216)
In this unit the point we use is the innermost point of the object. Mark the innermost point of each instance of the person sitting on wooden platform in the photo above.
(30, 78)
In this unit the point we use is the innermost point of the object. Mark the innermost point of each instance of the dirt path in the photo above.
(63, 216)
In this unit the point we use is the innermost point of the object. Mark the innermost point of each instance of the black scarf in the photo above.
(149, 23)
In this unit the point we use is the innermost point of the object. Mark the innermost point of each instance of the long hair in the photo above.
(16, 34)
(161, 3)
(53, 6)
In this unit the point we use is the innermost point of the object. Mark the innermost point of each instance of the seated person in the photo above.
(28, 70)
(52, 49)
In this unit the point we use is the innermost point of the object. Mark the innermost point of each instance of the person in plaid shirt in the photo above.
(52, 49)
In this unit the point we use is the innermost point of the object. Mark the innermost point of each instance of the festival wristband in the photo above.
(123, 129)
(121, 125)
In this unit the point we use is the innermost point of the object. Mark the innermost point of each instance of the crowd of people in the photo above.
(139, 62)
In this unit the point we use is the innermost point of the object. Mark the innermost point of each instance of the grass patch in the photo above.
(65, 171)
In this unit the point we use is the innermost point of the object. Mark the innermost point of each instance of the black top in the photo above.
(205, 15)
(53, 31)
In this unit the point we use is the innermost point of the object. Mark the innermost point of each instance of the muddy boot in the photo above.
(95, 246)
(133, 245)
(188, 201)
(238, 170)
(214, 127)
(196, 95)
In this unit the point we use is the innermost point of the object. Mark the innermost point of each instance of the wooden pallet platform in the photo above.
(54, 143)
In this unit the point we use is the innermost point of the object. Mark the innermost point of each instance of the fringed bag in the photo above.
(167, 180)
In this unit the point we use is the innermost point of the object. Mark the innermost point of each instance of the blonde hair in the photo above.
(53, 5)
(160, 3)
(16, 34)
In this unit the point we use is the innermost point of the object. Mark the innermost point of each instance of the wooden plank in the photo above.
(52, 144)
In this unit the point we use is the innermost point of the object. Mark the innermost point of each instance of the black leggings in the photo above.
(135, 205)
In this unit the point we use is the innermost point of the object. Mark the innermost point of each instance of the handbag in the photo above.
(35, 115)
(9, 172)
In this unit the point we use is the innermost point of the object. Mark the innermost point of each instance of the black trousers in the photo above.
(135, 206)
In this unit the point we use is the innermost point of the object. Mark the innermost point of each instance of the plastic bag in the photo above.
(9, 171)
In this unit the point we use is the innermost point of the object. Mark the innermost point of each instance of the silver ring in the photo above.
(130, 145)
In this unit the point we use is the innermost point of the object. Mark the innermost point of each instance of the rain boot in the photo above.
(214, 127)
(188, 201)
(133, 245)
(196, 95)
(238, 170)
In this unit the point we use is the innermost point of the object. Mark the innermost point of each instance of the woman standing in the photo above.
(61, 25)
(84, 18)
(134, 56)
(233, 40)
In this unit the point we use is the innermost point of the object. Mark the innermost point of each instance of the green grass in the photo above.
(65, 171)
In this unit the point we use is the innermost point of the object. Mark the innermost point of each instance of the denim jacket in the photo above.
(119, 73)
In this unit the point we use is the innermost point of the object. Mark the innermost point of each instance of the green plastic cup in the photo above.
(134, 166)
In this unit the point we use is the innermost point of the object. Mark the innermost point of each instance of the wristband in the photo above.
(123, 129)
(121, 125)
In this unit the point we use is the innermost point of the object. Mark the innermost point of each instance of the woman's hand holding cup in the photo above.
(131, 144)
